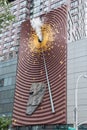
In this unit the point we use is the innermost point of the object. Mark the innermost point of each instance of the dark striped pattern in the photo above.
(31, 69)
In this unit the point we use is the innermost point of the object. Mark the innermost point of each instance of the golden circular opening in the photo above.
(36, 45)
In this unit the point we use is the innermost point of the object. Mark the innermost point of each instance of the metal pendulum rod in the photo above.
(48, 83)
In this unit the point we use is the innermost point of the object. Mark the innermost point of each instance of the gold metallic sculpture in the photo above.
(48, 37)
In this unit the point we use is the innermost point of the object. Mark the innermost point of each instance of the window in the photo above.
(5, 51)
(1, 58)
(10, 55)
(14, 7)
(1, 82)
(7, 107)
(6, 44)
(76, 3)
(37, 9)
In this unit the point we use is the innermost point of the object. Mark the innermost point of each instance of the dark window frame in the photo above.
(2, 82)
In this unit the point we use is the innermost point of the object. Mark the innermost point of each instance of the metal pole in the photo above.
(52, 106)
(76, 100)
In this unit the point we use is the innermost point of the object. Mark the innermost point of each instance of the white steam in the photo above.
(36, 24)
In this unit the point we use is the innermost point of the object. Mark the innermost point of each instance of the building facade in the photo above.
(7, 86)
(10, 41)
(76, 64)
(23, 10)
(86, 16)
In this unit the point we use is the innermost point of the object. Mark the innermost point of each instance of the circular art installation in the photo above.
(32, 67)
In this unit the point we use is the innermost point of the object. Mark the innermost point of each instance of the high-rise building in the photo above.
(9, 38)
(76, 20)
(10, 42)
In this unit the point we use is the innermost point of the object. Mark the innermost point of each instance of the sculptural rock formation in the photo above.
(36, 94)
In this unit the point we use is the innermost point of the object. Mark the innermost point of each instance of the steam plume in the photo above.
(36, 23)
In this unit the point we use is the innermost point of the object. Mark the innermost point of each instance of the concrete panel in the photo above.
(8, 73)
(77, 65)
